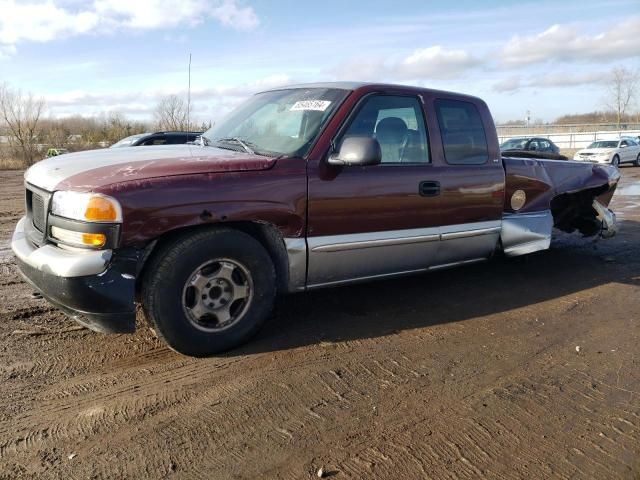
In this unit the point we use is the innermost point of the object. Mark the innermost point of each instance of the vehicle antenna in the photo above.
(189, 101)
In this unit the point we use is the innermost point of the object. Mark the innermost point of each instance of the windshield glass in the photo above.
(282, 122)
(514, 143)
(604, 144)
(126, 142)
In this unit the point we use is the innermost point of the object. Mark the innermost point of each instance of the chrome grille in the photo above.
(38, 211)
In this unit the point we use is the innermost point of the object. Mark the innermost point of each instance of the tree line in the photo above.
(26, 133)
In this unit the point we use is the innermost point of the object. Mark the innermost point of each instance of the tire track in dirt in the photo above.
(517, 406)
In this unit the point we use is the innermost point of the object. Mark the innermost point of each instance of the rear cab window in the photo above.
(463, 135)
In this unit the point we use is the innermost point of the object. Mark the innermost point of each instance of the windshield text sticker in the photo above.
(319, 105)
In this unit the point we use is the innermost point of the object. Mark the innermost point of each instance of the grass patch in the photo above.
(11, 164)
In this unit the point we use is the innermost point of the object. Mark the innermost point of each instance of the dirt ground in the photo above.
(521, 368)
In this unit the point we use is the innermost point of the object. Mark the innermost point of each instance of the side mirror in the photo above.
(357, 151)
(623, 146)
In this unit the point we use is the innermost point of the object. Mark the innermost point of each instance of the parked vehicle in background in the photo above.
(536, 144)
(299, 188)
(54, 152)
(157, 138)
(615, 152)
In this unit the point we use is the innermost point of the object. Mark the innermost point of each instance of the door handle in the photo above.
(429, 189)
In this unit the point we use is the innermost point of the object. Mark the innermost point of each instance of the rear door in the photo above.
(628, 153)
(471, 175)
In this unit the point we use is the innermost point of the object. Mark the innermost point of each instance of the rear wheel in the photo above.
(637, 162)
(616, 161)
(209, 292)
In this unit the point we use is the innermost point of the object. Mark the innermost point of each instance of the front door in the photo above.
(377, 220)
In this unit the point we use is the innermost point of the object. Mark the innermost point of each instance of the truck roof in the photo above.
(351, 86)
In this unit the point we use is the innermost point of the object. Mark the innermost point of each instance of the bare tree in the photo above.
(171, 114)
(622, 91)
(21, 115)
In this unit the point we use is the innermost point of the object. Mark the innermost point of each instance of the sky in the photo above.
(86, 57)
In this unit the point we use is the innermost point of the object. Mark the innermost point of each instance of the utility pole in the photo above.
(189, 99)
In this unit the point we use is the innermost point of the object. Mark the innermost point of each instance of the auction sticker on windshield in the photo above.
(319, 105)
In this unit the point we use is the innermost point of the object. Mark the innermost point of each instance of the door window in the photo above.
(398, 124)
(463, 136)
(545, 146)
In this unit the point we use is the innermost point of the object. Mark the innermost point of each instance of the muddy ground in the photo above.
(522, 368)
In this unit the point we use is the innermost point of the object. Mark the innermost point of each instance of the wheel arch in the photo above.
(265, 233)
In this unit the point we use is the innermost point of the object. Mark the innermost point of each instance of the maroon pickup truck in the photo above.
(300, 187)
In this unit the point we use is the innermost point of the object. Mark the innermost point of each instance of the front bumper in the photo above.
(95, 288)
(601, 160)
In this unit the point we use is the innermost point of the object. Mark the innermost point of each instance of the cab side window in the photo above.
(463, 135)
(397, 122)
(158, 140)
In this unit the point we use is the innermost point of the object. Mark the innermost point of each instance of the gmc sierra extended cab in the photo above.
(299, 188)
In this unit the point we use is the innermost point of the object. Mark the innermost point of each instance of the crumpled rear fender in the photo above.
(562, 194)
(544, 180)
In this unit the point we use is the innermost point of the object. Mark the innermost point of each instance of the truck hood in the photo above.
(92, 169)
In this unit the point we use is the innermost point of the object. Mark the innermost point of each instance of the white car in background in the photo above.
(615, 152)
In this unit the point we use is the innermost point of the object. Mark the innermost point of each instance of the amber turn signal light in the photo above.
(79, 239)
(94, 239)
(100, 209)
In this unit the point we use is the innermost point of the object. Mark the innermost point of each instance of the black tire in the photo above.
(615, 161)
(637, 162)
(170, 272)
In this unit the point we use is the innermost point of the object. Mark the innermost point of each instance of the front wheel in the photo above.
(637, 162)
(616, 161)
(209, 292)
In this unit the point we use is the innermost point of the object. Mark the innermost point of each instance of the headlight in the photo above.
(88, 207)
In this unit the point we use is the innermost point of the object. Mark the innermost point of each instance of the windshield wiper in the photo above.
(240, 142)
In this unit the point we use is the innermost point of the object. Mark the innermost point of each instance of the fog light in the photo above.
(78, 238)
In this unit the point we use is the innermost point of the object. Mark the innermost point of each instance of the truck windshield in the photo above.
(277, 123)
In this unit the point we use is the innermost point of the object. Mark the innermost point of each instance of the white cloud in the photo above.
(510, 84)
(41, 22)
(214, 101)
(550, 80)
(7, 51)
(437, 62)
(434, 62)
(151, 14)
(567, 43)
(231, 15)
(46, 20)
(566, 79)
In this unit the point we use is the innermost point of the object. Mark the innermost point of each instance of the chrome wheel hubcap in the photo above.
(217, 294)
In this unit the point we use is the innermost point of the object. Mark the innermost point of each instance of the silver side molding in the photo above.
(359, 244)
(337, 259)
(524, 233)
